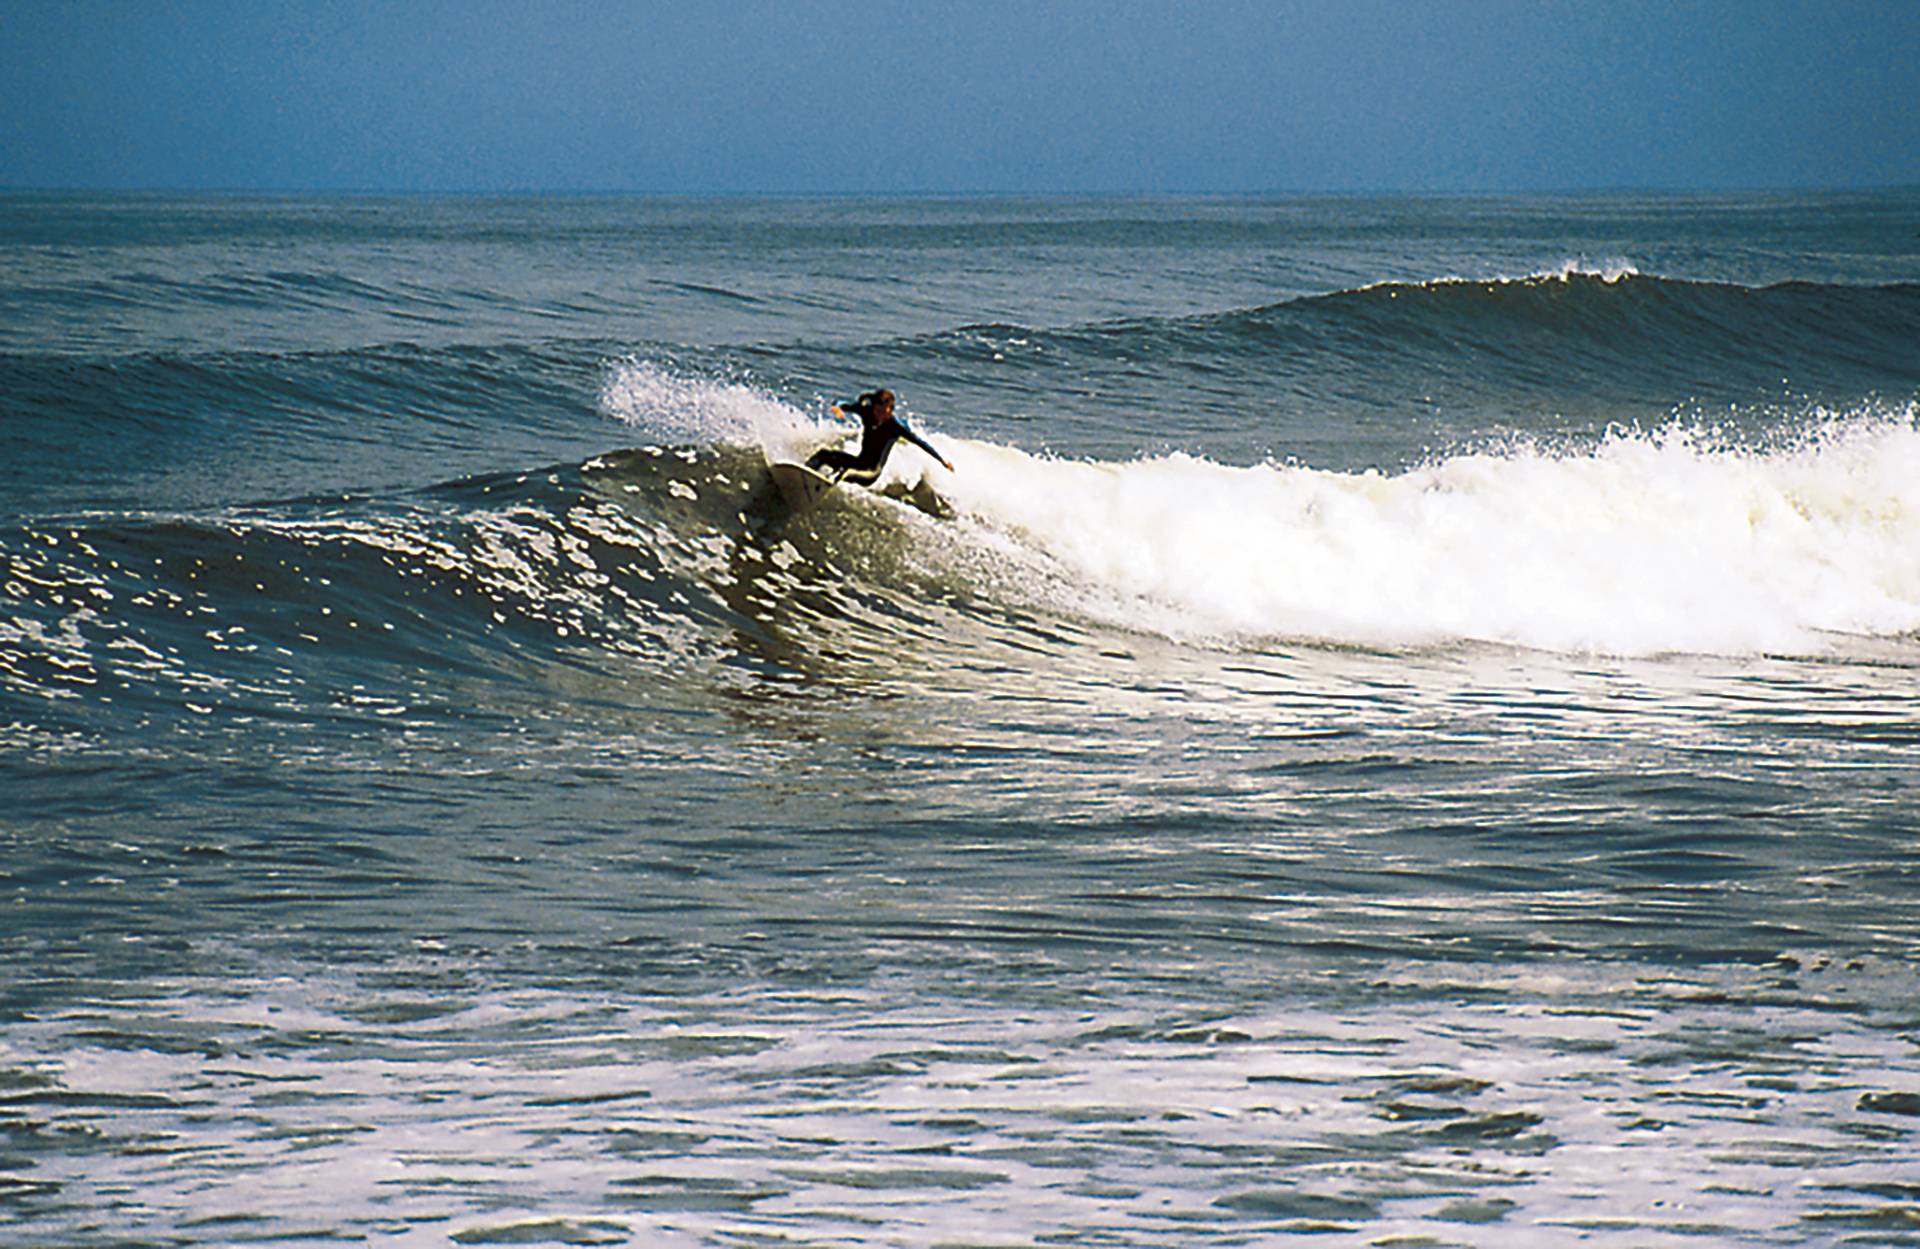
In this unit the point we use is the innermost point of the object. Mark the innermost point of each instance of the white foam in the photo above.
(671, 407)
(1673, 540)
(1647, 543)
(1610, 271)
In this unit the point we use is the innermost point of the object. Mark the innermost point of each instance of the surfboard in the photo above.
(799, 485)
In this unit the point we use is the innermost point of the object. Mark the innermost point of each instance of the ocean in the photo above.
(1403, 724)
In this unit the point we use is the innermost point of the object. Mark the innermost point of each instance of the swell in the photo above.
(185, 429)
(1574, 335)
(73, 304)
(97, 309)
(1596, 321)
(673, 568)
(485, 380)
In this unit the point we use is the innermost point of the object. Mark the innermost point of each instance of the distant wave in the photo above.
(1617, 301)
(483, 381)
(1576, 328)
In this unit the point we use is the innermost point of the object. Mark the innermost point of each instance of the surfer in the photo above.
(881, 430)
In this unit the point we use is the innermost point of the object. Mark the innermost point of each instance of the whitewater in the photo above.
(1677, 539)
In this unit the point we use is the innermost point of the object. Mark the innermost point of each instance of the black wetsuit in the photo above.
(875, 443)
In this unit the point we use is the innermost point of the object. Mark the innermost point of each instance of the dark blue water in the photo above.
(1400, 724)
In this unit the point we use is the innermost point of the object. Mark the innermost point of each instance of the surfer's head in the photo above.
(875, 407)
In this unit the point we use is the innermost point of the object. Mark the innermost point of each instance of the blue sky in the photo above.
(873, 96)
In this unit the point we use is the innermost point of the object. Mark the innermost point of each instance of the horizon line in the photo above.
(369, 192)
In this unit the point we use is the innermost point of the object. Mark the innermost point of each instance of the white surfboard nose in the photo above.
(799, 485)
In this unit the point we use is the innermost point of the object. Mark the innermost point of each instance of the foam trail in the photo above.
(1648, 543)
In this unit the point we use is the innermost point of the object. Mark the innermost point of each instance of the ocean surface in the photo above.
(1402, 726)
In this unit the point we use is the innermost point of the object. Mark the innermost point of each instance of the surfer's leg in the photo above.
(837, 460)
(864, 469)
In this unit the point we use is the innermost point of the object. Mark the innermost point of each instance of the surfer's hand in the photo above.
(949, 465)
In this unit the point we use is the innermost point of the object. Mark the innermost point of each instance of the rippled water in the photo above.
(1400, 727)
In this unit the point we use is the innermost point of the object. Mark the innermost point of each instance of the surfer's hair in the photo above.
(871, 403)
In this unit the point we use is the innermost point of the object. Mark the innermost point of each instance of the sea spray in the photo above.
(673, 406)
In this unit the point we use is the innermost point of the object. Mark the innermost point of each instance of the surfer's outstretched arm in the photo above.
(924, 445)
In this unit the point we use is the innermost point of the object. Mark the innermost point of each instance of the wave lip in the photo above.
(1608, 272)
